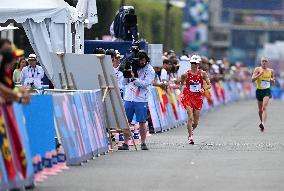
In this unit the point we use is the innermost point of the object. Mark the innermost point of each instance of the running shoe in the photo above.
(261, 126)
(124, 147)
(190, 141)
(144, 147)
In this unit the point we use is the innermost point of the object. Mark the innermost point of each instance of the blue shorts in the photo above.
(138, 108)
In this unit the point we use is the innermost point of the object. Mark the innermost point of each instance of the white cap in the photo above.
(195, 59)
(32, 57)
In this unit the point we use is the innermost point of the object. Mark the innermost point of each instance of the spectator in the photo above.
(136, 97)
(174, 69)
(17, 72)
(205, 65)
(165, 56)
(166, 68)
(184, 64)
(115, 58)
(31, 75)
(157, 80)
(157, 70)
(171, 53)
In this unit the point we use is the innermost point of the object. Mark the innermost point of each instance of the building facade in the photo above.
(238, 29)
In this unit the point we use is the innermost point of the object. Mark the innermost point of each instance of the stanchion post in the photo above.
(73, 81)
(61, 81)
(105, 92)
(68, 85)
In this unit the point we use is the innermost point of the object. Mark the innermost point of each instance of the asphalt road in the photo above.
(230, 154)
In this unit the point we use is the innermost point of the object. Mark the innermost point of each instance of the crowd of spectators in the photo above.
(29, 73)
(217, 69)
(26, 72)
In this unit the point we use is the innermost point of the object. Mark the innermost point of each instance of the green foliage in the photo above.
(151, 21)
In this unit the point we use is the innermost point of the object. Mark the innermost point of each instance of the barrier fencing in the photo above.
(76, 117)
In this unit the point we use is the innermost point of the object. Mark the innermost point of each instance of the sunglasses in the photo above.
(194, 63)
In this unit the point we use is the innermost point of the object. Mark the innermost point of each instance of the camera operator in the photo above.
(136, 96)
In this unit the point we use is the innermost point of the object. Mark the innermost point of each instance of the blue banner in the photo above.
(81, 124)
(40, 124)
(100, 120)
(67, 129)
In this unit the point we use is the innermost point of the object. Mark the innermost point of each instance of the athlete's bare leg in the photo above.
(190, 120)
(260, 111)
(264, 109)
(196, 115)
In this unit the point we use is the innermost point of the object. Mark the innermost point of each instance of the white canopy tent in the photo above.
(47, 24)
(87, 9)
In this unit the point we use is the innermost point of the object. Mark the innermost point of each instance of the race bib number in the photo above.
(265, 84)
(195, 88)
